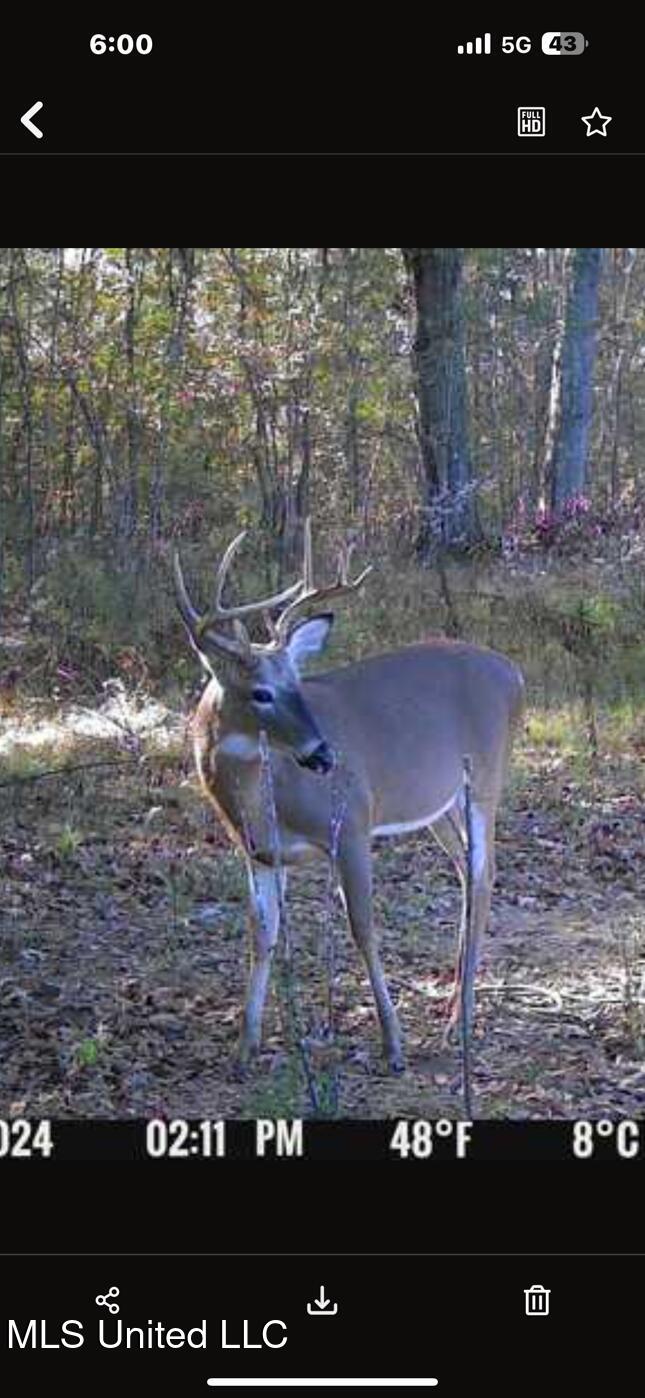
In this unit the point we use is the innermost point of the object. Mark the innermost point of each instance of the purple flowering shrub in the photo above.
(577, 527)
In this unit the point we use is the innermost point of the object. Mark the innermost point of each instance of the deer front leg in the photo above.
(355, 870)
(266, 887)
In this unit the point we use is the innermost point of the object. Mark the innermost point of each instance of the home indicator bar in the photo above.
(323, 1383)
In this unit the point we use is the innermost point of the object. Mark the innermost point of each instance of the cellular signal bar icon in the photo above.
(475, 45)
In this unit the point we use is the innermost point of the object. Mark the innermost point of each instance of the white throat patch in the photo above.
(239, 745)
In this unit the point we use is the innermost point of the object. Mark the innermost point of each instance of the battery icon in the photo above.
(562, 42)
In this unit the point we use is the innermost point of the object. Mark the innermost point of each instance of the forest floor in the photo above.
(123, 948)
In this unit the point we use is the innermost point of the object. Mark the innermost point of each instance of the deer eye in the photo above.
(260, 695)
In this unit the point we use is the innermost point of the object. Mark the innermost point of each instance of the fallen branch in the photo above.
(539, 992)
(83, 767)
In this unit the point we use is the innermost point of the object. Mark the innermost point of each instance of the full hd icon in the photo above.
(531, 121)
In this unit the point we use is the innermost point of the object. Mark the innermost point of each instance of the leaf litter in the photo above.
(123, 954)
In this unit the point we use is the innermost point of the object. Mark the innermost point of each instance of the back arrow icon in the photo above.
(26, 120)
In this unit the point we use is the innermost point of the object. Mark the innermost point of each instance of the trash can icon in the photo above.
(536, 1300)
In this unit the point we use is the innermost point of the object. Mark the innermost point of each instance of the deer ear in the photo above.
(309, 637)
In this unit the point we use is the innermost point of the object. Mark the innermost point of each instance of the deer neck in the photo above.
(230, 770)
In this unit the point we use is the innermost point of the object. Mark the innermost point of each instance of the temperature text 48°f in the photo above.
(420, 1139)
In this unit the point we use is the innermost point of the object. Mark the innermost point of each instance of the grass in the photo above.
(631, 947)
(280, 1096)
(555, 730)
(91, 621)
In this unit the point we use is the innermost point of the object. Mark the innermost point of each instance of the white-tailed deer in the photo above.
(391, 732)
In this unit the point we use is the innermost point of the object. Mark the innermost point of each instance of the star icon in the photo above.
(596, 123)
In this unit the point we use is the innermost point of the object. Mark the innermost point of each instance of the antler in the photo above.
(246, 608)
(199, 622)
(299, 594)
(310, 594)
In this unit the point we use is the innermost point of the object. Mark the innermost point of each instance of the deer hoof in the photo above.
(240, 1069)
(450, 1035)
(396, 1063)
(246, 1056)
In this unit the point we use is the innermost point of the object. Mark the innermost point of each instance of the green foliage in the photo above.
(87, 1053)
(278, 1095)
(163, 390)
(68, 841)
(159, 395)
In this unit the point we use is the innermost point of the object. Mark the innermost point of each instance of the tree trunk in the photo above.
(21, 331)
(180, 271)
(3, 322)
(623, 261)
(545, 476)
(129, 521)
(352, 435)
(579, 350)
(441, 389)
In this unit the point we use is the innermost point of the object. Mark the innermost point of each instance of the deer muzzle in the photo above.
(320, 759)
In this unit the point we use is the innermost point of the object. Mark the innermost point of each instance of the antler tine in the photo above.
(308, 561)
(223, 568)
(344, 559)
(270, 625)
(192, 618)
(311, 594)
(346, 552)
(222, 613)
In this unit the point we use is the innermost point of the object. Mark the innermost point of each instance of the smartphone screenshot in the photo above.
(321, 704)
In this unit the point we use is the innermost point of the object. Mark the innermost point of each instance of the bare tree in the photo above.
(569, 473)
(441, 388)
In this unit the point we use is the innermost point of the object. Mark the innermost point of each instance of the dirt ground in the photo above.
(124, 954)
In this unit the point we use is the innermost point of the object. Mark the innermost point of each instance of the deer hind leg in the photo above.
(266, 887)
(450, 833)
(355, 871)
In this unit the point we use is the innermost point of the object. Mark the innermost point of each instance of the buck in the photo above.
(372, 748)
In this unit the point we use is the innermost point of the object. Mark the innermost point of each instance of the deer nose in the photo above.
(320, 759)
